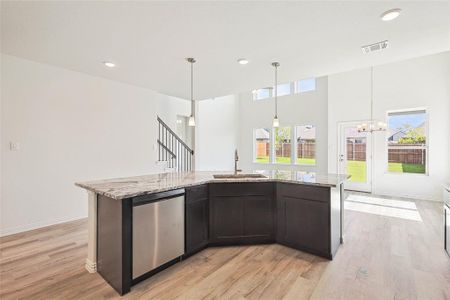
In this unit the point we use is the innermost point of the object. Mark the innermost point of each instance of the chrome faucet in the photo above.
(236, 159)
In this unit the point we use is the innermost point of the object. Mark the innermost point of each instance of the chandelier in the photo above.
(372, 125)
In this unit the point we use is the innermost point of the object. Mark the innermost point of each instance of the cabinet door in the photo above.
(227, 218)
(197, 218)
(196, 225)
(304, 224)
(241, 213)
(258, 216)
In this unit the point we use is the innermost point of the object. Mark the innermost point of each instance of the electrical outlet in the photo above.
(14, 146)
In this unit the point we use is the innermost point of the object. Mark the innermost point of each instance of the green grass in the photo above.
(283, 160)
(287, 160)
(357, 169)
(262, 159)
(406, 168)
(306, 161)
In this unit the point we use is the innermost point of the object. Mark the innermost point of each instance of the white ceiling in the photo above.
(149, 40)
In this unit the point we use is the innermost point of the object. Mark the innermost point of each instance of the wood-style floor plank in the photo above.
(382, 258)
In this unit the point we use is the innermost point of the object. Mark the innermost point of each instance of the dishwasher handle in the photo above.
(146, 199)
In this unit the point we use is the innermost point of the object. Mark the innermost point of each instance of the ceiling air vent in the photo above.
(374, 47)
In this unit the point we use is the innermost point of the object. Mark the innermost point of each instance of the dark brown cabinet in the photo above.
(241, 213)
(197, 218)
(303, 217)
(227, 217)
(259, 216)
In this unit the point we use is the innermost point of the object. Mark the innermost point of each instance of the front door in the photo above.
(355, 157)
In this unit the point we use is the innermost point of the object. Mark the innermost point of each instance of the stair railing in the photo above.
(173, 150)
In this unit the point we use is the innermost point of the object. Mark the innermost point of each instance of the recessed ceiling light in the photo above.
(390, 14)
(242, 61)
(109, 64)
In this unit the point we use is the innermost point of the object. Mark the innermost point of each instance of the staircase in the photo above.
(173, 150)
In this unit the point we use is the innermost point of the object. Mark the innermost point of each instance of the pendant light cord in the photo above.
(371, 95)
(192, 89)
(276, 91)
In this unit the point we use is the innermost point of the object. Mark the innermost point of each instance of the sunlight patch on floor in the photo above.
(395, 208)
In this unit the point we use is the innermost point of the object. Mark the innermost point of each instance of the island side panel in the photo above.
(335, 218)
(114, 242)
(91, 260)
(343, 196)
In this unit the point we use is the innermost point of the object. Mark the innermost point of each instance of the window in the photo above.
(283, 145)
(260, 94)
(291, 145)
(283, 89)
(262, 145)
(305, 85)
(305, 136)
(407, 141)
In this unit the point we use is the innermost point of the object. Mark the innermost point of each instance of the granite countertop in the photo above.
(121, 188)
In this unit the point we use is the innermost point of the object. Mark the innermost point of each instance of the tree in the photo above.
(282, 134)
(414, 135)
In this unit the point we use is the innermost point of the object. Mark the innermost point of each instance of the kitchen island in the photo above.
(141, 225)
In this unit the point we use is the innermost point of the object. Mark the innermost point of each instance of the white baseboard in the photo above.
(90, 266)
(399, 196)
(36, 225)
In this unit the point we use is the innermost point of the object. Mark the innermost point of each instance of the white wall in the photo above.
(217, 133)
(348, 100)
(419, 82)
(75, 127)
(71, 127)
(308, 108)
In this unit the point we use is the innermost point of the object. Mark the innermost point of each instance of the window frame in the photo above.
(270, 146)
(272, 152)
(255, 93)
(295, 144)
(427, 140)
(274, 160)
(292, 91)
(297, 85)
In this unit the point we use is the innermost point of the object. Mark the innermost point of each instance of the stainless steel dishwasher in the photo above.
(158, 234)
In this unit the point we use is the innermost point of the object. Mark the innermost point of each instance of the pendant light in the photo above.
(191, 122)
(276, 121)
(372, 125)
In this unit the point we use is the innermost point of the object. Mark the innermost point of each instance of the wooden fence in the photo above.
(304, 150)
(262, 149)
(407, 154)
(356, 151)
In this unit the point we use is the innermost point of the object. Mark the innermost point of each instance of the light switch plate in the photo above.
(14, 146)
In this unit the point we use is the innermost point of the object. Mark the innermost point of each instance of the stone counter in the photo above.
(121, 188)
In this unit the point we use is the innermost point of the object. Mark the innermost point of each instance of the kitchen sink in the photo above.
(241, 175)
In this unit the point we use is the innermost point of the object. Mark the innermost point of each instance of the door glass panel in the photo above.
(356, 160)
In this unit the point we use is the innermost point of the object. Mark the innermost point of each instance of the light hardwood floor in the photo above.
(383, 257)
